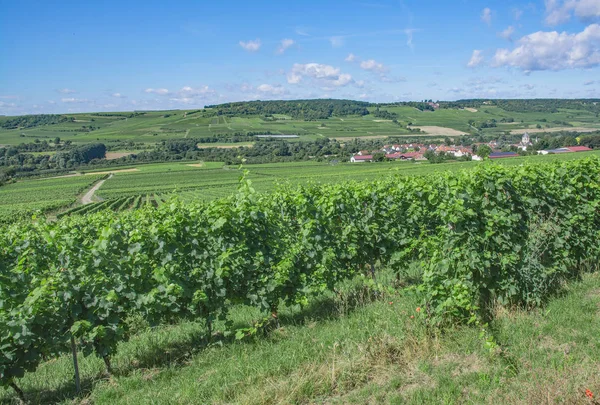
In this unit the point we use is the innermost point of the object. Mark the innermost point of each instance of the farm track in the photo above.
(88, 197)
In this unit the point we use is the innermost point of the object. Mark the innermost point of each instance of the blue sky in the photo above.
(74, 56)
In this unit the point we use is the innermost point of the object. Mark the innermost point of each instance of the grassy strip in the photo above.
(347, 348)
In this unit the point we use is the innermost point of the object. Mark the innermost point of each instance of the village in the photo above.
(421, 151)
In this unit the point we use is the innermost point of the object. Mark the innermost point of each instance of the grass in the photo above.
(350, 349)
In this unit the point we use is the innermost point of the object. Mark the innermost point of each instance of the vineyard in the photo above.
(493, 235)
(22, 199)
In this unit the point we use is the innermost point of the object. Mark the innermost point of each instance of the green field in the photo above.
(155, 126)
(213, 181)
(154, 183)
(25, 197)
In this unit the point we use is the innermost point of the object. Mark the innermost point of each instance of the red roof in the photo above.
(578, 148)
(363, 157)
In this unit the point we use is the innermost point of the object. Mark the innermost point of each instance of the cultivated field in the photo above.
(155, 183)
(156, 126)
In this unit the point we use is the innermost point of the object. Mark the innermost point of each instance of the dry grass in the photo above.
(117, 155)
(440, 131)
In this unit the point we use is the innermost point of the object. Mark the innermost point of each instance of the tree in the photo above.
(379, 157)
(57, 141)
(484, 151)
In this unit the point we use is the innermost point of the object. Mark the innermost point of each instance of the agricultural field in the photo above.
(22, 198)
(458, 119)
(132, 187)
(209, 182)
(155, 126)
(334, 293)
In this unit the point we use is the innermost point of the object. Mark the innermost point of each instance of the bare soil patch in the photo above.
(349, 138)
(113, 171)
(557, 129)
(382, 120)
(234, 145)
(116, 155)
(471, 109)
(196, 165)
(435, 130)
(62, 177)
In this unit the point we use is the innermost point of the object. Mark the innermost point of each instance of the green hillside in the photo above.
(310, 119)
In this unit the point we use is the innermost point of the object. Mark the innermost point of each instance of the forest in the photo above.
(528, 105)
(30, 121)
(307, 110)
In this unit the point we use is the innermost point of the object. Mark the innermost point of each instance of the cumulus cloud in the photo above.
(118, 95)
(322, 74)
(377, 68)
(553, 51)
(507, 33)
(74, 100)
(486, 16)
(373, 66)
(476, 59)
(160, 92)
(284, 45)
(272, 90)
(589, 82)
(560, 11)
(251, 46)
(66, 91)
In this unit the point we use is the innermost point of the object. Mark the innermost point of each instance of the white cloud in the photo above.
(251, 46)
(350, 58)
(186, 95)
(273, 90)
(336, 42)
(118, 95)
(188, 91)
(6, 105)
(507, 33)
(284, 45)
(372, 66)
(553, 51)
(528, 86)
(589, 82)
(560, 11)
(486, 16)
(160, 92)
(476, 59)
(66, 91)
(322, 74)
(74, 100)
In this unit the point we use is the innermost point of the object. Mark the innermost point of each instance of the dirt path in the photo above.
(87, 198)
